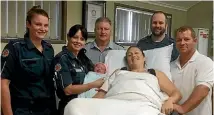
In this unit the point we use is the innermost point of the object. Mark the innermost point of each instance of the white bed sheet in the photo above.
(144, 97)
(92, 106)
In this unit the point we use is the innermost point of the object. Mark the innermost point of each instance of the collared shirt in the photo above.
(159, 54)
(28, 69)
(197, 71)
(96, 55)
(69, 70)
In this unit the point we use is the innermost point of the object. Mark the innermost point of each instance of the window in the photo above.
(13, 21)
(132, 24)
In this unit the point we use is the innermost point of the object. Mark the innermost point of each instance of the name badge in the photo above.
(78, 70)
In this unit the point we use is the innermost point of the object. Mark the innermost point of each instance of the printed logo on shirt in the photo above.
(58, 67)
(5, 53)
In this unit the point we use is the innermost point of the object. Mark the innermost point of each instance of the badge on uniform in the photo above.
(78, 70)
(58, 67)
(5, 53)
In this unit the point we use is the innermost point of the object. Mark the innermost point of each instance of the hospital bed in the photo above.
(115, 59)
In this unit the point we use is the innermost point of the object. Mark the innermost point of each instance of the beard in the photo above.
(158, 34)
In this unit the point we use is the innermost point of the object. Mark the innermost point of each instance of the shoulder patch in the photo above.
(58, 67)
(5, 53)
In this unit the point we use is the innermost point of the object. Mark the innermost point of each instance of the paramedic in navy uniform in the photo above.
(26, 83)
(70, 67)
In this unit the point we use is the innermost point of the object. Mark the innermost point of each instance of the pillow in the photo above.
(115, 60)
(159, 59)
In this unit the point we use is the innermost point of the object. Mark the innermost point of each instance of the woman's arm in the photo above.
(105, 87)
(77, 89)
(8, 70)
(100, 94)
(167, 86)
(5, 97)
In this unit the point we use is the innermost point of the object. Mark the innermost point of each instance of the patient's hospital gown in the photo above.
(128, 93)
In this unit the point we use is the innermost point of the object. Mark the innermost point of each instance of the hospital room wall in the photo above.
(74, 15)
(178, 17)
(203, 11)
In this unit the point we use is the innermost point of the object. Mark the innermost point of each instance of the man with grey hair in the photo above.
(98, 49)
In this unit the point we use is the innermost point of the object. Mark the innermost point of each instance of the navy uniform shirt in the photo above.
(28, 70)
(69, 70)
(159, 54)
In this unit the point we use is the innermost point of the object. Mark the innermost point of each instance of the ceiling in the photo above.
(179, 5)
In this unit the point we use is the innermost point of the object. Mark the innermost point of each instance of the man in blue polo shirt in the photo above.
(159, 49)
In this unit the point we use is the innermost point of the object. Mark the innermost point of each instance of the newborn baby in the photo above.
(99, 72)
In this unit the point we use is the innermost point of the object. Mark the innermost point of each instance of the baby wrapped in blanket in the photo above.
(99, 72)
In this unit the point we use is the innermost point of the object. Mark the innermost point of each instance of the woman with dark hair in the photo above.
(26, 83)
(70, 67)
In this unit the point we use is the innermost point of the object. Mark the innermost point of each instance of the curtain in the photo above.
(131, 25)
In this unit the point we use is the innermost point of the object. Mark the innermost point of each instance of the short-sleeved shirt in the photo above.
(159, 54)
(69, 70)
(28, 69)
(96, 55)
(197, 71)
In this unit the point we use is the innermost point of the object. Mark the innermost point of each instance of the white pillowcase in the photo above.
(115, 60)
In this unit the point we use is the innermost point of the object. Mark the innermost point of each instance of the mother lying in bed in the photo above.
(136, 91)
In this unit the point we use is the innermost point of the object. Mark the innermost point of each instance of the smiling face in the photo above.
(38, 27)
(185, 42)
(159, 25)
(103, 31)
(76, 43)
(135, 57)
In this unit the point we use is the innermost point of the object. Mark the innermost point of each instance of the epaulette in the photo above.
(18, 40)
(47, 43)
(60, 54)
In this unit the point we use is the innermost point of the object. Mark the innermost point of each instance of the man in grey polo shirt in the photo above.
(98, 49)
